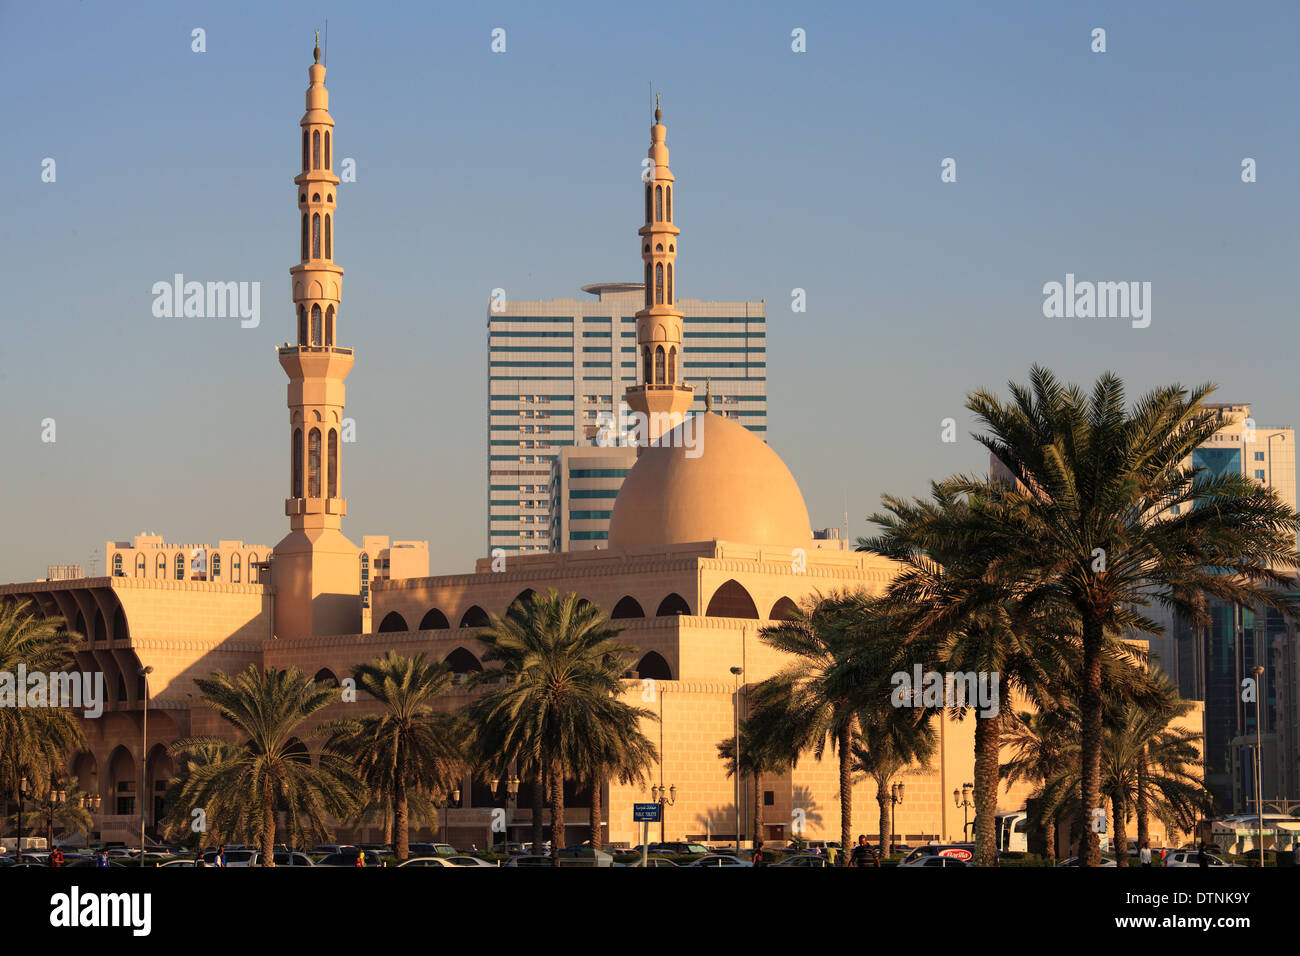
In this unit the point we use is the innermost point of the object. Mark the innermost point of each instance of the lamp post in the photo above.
(895, 797)
(735, 723)
(57, 799)
(512, 792)
(450, 800)
(665, 797)
(962, 798)
(1259, 758)
(22, 792)
(144, 755)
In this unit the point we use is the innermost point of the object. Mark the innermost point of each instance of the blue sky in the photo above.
(520, 170)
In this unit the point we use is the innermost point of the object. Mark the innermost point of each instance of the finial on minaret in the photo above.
(708, 394)
(316, 52)
(659, 114)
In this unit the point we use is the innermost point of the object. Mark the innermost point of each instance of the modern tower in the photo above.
(661, 397)
(315, 570)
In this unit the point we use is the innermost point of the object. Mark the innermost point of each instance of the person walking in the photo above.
(361, 858)
(863, 855)
(1144, 855)
(56, 858)
(760, 858)
(220, 859)
(1202, 858)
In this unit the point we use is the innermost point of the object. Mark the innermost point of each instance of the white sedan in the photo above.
(720, 859)
(1188, 858)
(466, 860)
(429, 861)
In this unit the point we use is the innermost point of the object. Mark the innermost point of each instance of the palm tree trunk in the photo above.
(1143, 820)
(758, 811)
(557, 809)
(988, 736)
(401, 820)
(1049, 833)
(1090, 743)
(268, 824)
(885, 803)
(538, 790)
(846, 783)
(1121, 835)
(596, 809)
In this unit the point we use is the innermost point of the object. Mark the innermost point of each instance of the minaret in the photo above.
(315, 571)
(661, 397)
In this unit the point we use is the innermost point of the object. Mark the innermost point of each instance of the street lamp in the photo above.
(665, 797)
(735, 723)
(450, 800)
(512, 792)
(144, 672)
(962, 798)
(895, 797)
(22, 792)
(57, 799)
(1259, 759)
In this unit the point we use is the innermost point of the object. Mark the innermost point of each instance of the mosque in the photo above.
(707, 545)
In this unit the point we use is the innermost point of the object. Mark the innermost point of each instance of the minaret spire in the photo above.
(315, 570)
(661, 396)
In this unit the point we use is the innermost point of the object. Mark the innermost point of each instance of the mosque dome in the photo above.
(728, 485)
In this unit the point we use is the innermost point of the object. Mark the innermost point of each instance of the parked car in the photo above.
(294, 858)
(419, 861)
(1190, 858)
(530, 860)
(327, 848)
(958, 851)
(464, 859)
(1074, 861)
(804, 859)
(188, 863)
(233, 857)
(937, 861)
(654, 861)
(348, 857)
(719, 860)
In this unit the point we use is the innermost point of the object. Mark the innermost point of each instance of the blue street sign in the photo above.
(645, 813)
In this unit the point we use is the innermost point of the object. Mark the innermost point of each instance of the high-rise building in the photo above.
(558, 369)
(584, 483)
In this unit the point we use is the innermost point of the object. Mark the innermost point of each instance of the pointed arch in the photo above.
(673, 604)
(216, 565)
(523, 597)
(304, 237)
(315, 324)
(101, 628)
(783, 610)
(627, 607)
(668, 200)
(302, 319)
(659, 283)
(315, 235)
(659, 203)
(391, 623)
(329, 326)
(325, 676)
(160, 567)
(139, 565)
(462, 661)
(120, 630)
(654, 667)
(732, 600)
(327, 149)
(434, 620)
(672, 365)
(670, 283)
(647, 189)
(474, 617)
(80, 627)
(180, 566)
(313, 463)
(647, 365)
(234, 568)
(253, 574)
(332, 469)
(295, 467)
(304, 151)
(315, 150)
(329, 244)
(659, 365)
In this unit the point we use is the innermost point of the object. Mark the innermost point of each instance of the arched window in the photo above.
(670, 203)
(216, 565)
(645, 364)
(234, 568)
(672, 365)
(160, 567)
(325, 676)
(180, 566)
(252, 567)
(313, 463)
(392, 622)
(365, 579)
(626, 607)
(304, 151)
(463, 662)
(732, 600)
(659, 203)
(647, 286)
(315, 235)
(327, 149)
(295, 468)
(672, 604)
(117, 565)
(329, 252)
(647, 189)
(139, 565)
(670, 283)
(332, 469)
(659, 283)
(304, 236)
(435, 620)
(474, 617)
(783, 610)
(659, 365)
(302, 323)
(329, 325)
(315, 325)
(654, 667)
(315, 150)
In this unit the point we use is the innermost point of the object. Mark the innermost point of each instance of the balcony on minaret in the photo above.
(315, 506)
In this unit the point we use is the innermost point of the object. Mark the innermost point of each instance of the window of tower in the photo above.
(647, 189)
(659, 247)
(315, 325)
(315, 150)
(304, 151)
(216, 565)
(315, 197)
(672, 365)
(304, 236)
(329, 326)
(334, 463)
(669, 200)
(329, 252)
(117, 565)
(315, 235)
(327, 149)
(329, 197)
(295, 468)
(659, 365)
(659, 203)
(647, 285)
(302, 326)
(180, 566)
(252, 567)
(645, 364)
(139, 565)
(234, 568)
(160, 568)
(670, 283)
(313, 463)
(659, 283)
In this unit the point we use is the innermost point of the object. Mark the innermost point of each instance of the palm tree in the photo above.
(811, 700)
(892, 740)
(188, 791)
(67, 810)
(1104, 505)
(552, 706)
(1037, 740)
(34, 741)
(760, 753)
(619, 752)
(960, 603)
(271, 771)
(407, 749)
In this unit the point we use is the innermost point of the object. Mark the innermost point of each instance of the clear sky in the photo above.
(817, 170)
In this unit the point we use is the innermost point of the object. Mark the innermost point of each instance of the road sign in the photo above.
(645, 813)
